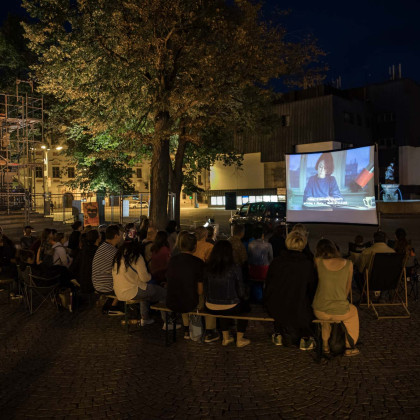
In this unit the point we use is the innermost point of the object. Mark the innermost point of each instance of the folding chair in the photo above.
(38, 290)
(386, 272)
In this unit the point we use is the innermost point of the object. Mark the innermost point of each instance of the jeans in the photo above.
(153, 293)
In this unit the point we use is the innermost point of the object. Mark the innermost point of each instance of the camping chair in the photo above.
(38, 290)
(386, 272)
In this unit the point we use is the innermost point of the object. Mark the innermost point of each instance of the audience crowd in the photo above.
(190, 271)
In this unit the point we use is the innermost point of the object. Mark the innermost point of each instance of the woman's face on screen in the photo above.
(321, 169)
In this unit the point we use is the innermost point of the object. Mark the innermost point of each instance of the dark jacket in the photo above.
(289, 289)
(184, 272)
(224, 289)
(85, 258)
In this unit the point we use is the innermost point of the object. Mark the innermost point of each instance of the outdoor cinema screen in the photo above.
(332, 187)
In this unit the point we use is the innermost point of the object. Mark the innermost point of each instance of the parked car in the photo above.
(139, 204)
(266, 213)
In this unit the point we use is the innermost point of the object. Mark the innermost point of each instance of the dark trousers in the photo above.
(239, 309)
(291, 335)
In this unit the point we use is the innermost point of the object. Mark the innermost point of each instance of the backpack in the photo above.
(337, 340)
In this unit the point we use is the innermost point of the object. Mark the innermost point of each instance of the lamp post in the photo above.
(46, 179)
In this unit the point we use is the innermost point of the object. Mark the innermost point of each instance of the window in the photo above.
(56, 172)
(139, 173)
(285, 120)
(70, 172)
(199, 180)
(38, 172)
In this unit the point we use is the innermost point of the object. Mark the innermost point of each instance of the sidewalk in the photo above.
(85, 365)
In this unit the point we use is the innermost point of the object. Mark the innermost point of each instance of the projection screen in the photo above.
(332, 187)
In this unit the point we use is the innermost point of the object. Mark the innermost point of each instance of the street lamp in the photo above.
(46, 180)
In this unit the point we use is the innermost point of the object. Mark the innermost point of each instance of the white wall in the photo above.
(409, 165)
(318, 147)
(250, 175)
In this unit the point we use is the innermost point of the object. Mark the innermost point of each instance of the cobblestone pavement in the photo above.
(84, 365)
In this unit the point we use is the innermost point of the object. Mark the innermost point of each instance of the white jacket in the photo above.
(129, 280)
(60, 256)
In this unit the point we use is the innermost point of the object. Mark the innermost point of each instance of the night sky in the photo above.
(361, 38)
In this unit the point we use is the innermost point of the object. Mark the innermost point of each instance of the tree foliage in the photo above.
(101, 165)
(149, 70)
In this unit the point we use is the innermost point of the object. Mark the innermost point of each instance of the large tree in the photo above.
(154, 70)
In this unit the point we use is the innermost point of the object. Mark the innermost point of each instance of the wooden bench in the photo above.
(127, 303)
(262, 316)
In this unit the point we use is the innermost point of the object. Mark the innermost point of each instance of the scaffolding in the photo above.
(21, 130)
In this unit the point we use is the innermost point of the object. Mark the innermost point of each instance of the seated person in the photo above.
(102, 268)
(60, 256)
(260, 255)
(185, 280)
(331, 297)
(131, 279)
(322, 187)
(379, 247)
(27, 240)
(223, 290)
(203, 247)
(289, 290)
(160, 257)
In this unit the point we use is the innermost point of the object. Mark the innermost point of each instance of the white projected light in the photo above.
(332, 187)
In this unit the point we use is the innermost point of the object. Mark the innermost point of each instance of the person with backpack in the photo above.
(131, 279)
(331, 297)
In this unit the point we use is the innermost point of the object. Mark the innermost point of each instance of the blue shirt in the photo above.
(321, 188)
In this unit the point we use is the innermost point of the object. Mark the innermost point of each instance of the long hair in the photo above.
(221, 257)
(326, 249)
(128, 253)
(160, 241)
(328, 162)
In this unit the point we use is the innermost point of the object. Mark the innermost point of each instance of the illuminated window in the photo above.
(213, 201)
(273, 198)
(238, 200)
(266, 198)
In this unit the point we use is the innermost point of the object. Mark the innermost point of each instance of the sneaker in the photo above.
(187, 335)
(211, 336)
(112, 312)
(244, 342)
(307, 343)
(170, 326)
(228, 341)
(277, 339)
(148, 321)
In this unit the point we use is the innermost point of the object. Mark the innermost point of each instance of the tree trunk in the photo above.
(177, 177)
(159, 176)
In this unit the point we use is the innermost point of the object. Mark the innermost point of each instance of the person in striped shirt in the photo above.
(102, 268)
